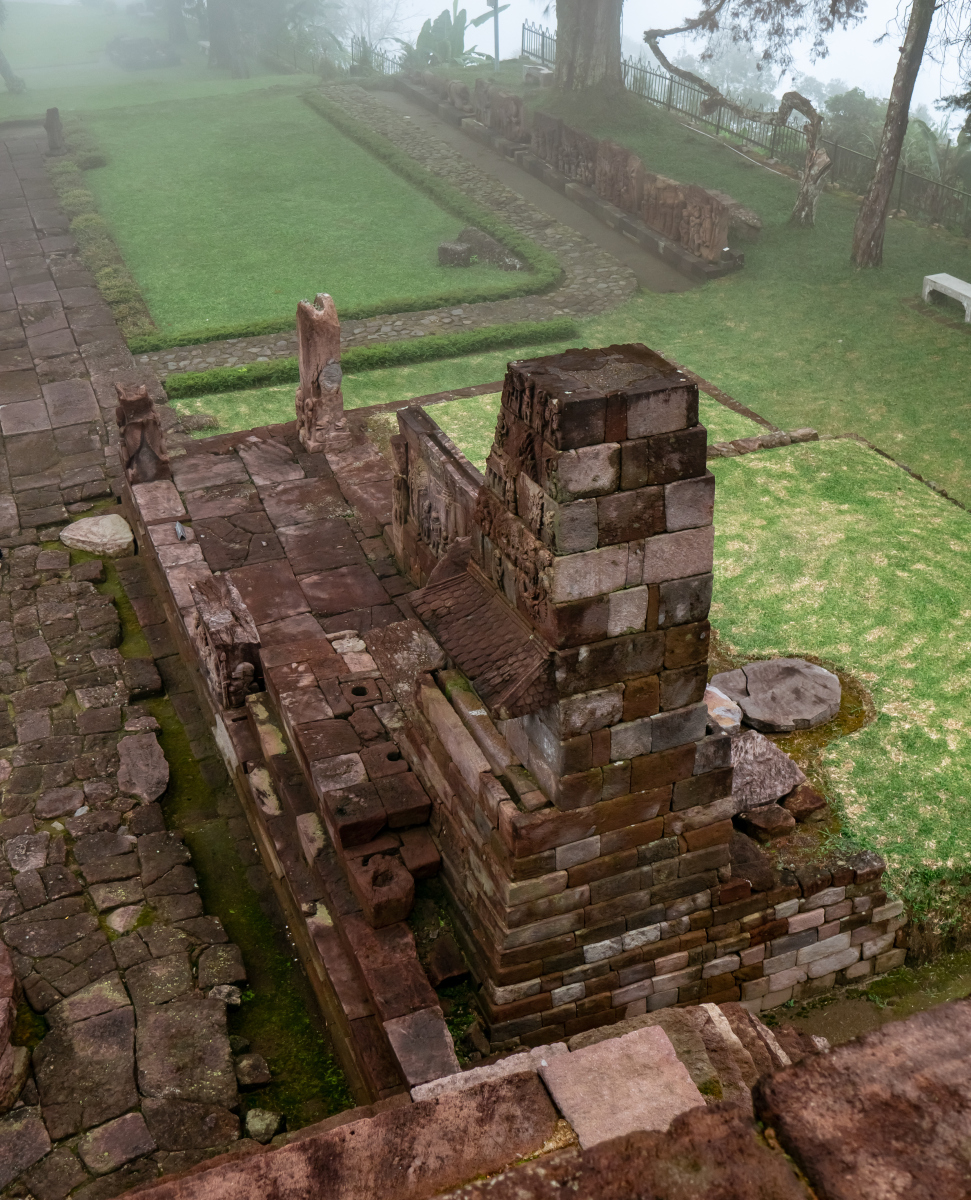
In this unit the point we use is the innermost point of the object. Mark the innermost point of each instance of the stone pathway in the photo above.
(99, 904)
(594, 281)
(60, 354)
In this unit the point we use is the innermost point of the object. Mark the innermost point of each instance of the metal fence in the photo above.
(366, 57)
(915, 194)
(539, 43)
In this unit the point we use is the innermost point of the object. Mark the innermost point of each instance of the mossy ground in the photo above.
(279, 1014)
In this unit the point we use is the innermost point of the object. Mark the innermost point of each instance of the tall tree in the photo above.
(871, 221)
(775, 23)
(588, 44)
(14, 82)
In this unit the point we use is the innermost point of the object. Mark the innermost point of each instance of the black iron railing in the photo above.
(917, 195)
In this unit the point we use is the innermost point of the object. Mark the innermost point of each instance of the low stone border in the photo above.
(761, 441)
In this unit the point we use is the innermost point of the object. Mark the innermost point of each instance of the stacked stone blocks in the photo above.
(585, 843)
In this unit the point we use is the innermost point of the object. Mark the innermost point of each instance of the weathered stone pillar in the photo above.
(142, 443)
(581, 624)
(319, 401)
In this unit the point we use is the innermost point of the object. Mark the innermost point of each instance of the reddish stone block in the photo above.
(270, 591)
(367, 726)
(641, 834)
(708, 835)
(362, 692)
(320, 546)
(576, 623)
(341, 590)
(327, 739)
(632, 809)
(603, 867)
(686, 644)
(356, 815)
(527, 834)
(683, 687)
(702, 789)
(384, 886)
(735, 889)
(388, 961)
(627, 516)
(641, 697)
(578, 791)
(615, 419)
(419, 853)
(768, 932)
(664, 458)
(650, 771)
(405, 800)
(383, 759)
(609, 662)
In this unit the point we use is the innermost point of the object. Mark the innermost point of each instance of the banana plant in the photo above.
(443, 40)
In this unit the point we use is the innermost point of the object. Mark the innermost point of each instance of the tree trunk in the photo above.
(14, 82)
(224, 46)
(818, 164)
(175, 22)
(872, 219)
(588, 44)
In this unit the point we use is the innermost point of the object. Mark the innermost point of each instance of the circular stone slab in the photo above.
(110, 535)
(782, 694)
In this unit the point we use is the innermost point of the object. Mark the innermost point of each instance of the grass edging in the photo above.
(545, 272)
(372, 358)
(97, 247)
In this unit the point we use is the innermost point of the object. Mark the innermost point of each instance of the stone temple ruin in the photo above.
(415, 669)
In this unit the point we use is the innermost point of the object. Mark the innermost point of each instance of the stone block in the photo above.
(25, 1141)
(689, 503)
(635, 1082)
(570, 528)
(889, 961)
(664, 458)
(661, 411)
(422, 1045)
(867, 1090)
(581, 576)
(445, 1141)
(183, 1052)
(183, 1125)
(630, 739)
(682, 687)
(627, 611)
(684, 601)
(677, 555)
(675, 728)
(588, 471)
(111, 1146)
(627, 516)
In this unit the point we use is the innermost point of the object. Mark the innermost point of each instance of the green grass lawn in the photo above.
(470, 422)
(58, 50)
(233, 208)
(830, 550)
(799, 335)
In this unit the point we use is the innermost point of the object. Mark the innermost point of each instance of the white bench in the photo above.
(949, 285)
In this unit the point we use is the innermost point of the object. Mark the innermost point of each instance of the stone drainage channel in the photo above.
(170, 937)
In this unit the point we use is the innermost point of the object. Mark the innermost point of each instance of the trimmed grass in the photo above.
(830, 550)
(799, 335)
(58, 49)
(232, 209)
(469, 422)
